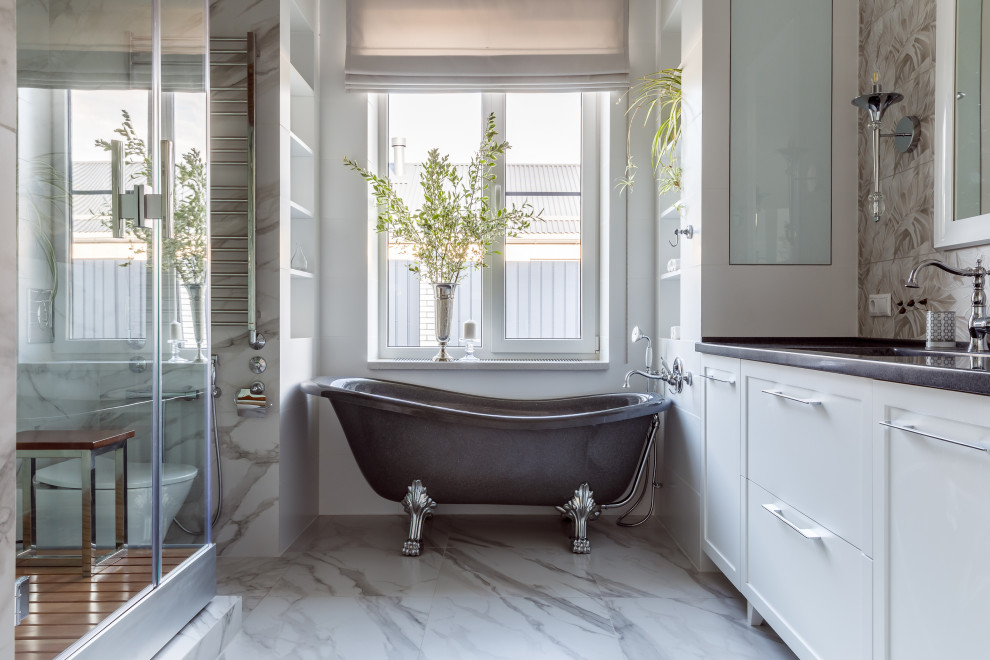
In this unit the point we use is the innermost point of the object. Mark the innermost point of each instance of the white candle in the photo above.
(175, 331)
(470, 330)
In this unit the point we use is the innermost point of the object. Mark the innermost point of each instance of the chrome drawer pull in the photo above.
(776, 513)
(910, 429)
(807, 402)
(730, 381)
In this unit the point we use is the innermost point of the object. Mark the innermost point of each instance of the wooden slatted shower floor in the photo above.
(65, 605)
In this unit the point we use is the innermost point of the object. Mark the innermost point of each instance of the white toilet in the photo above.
(58, 504)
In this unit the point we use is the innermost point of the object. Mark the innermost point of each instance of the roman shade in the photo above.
(486, 45)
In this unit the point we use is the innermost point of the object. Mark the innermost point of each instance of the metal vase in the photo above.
(443, 307)
(195, 292)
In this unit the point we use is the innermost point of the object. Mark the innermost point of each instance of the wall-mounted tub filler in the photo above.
(676, 377)
(906, 135)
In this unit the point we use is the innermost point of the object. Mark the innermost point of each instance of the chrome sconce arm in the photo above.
(906, 135)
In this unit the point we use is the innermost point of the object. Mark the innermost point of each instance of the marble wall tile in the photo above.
(8, 320)
(249, 447)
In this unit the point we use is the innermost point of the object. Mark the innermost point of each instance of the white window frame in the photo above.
(496, 346)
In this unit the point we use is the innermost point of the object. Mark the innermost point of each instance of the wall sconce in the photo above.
(906, 134)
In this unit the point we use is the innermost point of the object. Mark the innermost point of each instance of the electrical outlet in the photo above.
(879, 304)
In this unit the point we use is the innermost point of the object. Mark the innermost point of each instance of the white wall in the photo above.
(347, 243)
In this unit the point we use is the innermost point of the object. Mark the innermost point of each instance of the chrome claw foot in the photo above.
(581, 508)
(419, 506)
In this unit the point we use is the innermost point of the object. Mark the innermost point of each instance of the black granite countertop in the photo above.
(880, 359)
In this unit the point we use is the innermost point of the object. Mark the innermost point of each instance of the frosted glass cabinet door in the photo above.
(781, 132)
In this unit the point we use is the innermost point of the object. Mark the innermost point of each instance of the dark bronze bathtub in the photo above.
(468, 449)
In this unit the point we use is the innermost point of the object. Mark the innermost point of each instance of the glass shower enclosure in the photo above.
(113, 371)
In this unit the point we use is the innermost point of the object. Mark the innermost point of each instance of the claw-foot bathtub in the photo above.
(421, 446)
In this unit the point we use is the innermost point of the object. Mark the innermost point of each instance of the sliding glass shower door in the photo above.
(113, 346)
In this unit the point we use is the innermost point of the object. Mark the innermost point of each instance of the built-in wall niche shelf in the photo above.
(299, 148)
(301, 274)
(300, 212)
(298, 19)
(671, 211)
(673, 275)
(298, 84)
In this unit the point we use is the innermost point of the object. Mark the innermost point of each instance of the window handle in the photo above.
(499, 197)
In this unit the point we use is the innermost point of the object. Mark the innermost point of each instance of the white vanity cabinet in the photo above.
(932, 532)
(860, 526)
(723, 476)
(807, 443)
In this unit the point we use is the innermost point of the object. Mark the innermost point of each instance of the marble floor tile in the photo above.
(487, 587)
(383, 532)
(643, 572)
(316, 627)
(669, 629)
(476, 628)
(366, 572)
(504, 572)
(530, 531)
(251, 578)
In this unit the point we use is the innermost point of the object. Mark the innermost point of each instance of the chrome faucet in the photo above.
(675, 377)
(979, 323)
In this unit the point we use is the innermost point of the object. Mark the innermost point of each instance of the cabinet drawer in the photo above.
(817, 589)
(809, 442)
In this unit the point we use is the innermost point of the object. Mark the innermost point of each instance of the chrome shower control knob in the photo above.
(257, 364)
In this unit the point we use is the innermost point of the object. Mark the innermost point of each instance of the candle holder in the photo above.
(469, 333)
(469, 355)
(176, 356)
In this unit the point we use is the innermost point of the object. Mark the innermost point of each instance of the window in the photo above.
(540, 294)
(107, 276)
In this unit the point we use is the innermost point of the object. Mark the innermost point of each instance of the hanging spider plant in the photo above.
(657, 95)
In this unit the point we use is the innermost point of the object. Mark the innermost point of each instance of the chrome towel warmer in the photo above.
(234, 253)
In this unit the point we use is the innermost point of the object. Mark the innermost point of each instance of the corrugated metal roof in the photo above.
(561, 212)
(95, 175)
(89, 211)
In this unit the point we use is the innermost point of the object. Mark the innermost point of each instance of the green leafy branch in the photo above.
(659, 95)
(457, 227)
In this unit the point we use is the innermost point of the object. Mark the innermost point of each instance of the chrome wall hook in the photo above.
(687, 232)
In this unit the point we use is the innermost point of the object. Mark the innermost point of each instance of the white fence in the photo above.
(543, 301)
